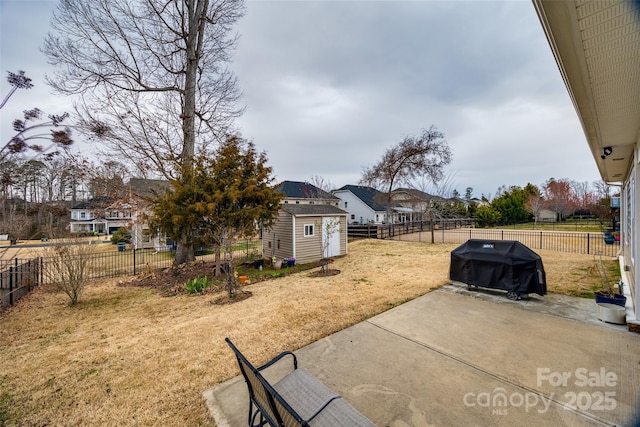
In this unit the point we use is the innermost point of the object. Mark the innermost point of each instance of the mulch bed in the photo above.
(171, 281)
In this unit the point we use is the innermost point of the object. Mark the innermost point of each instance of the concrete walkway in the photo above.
(455, 357)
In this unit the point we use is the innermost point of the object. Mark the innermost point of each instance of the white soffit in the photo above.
(597, 48)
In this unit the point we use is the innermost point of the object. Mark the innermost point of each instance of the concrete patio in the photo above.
(457, 357)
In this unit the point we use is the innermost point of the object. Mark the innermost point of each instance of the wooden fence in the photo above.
(385, 231)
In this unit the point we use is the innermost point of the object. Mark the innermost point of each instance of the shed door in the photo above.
(331, 235)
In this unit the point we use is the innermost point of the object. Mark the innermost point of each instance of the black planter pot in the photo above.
(258, 263)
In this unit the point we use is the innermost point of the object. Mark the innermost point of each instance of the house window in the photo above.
(308, 230)
(297, 202)
(377, 217)
(353, 216)
(345, 205)
(286, 202)
(83, 215)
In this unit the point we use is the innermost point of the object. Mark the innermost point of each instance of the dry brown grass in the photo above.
(127, 356)
(24, 248)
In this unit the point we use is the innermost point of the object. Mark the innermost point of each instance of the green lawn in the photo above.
(587, 226)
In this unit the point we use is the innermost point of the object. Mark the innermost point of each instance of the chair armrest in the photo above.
(278, 357)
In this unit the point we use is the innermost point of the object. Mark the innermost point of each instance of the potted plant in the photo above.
(277, 263)
(607, 295)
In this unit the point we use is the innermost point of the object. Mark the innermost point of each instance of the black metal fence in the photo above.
(557, 241)
(18, 278)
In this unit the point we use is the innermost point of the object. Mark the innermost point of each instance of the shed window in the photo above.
(308, 230)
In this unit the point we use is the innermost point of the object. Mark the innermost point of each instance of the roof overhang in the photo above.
(596, 45)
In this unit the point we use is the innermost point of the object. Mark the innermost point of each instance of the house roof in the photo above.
(148, 187)
(420, 195)
(95, 203)
(597, 49)
(368, 195)
(317, 210)
(303, 190)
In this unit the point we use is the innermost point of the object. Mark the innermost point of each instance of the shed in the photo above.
(499, 264)
(300, 230)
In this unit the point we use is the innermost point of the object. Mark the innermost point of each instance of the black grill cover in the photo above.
(498, 264)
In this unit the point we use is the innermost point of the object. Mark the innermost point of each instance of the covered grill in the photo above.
(499, 264)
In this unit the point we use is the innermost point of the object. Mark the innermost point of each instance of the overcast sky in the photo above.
(329, 85)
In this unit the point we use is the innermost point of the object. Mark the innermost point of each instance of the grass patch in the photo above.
(127, 355)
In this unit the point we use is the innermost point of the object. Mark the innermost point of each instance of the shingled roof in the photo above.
(303, 190)
(148, 187)
(369, 195)
(312, 210)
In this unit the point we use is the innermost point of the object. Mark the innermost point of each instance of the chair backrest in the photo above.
(263, 395)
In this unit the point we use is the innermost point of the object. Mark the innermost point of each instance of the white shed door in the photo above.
(331, 235)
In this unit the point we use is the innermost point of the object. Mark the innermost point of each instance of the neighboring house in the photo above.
(296, 192)
(364, 204)
(300, 231)
(547, 215)
(97, 216)
(595, 45)
(479, 202)
(412, 203)
(105, 215)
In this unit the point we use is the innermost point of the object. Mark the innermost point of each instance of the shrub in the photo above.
(121, 236)
(67, 266)
(197, 285)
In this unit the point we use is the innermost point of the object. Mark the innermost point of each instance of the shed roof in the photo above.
(316, 210)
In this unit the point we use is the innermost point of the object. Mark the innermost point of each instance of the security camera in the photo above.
(606, 151)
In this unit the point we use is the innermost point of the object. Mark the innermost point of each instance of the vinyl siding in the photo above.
(307, 249)
(280, 236)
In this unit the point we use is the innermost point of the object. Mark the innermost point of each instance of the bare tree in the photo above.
(107, 179)
(153, 77)
(441, 188)
(424, 155)
(534, 204)
(329, 227)
(603, 189)
(322, 183)
(68, 266)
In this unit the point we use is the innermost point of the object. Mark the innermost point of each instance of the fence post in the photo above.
(588, 243)
(134, 261)
(541, 240)
(11, 279)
